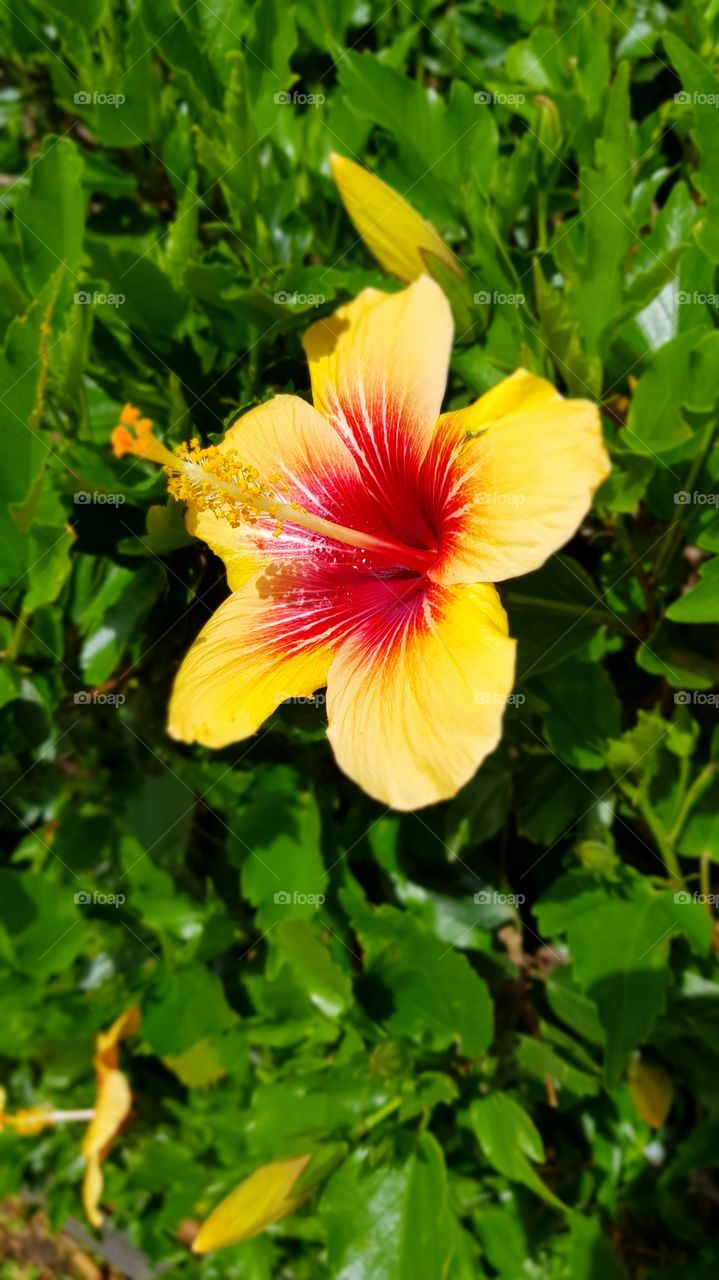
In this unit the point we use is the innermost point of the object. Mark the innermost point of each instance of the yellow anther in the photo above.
(218, 481)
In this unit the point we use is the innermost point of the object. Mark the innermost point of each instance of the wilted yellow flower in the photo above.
(112, 1106)
(263, 1198)
(402, 241)
(652, 1091)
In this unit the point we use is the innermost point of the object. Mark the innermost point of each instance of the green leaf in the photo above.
(598, 267)
(51, 215)
(619, 948)
(553, 613)
(326, 984)
(25, 451)
(278, 840)
(510, 1141)
(584, 713)
(41, 929)
(133, 595)
(182, 1008)
(432, 992)
(702, 90)
(542, 1061)
(701, 602)
(683, 374)
(437, 140)
(390, 1223)
(270, 44)
(665, 654)
(49, 551)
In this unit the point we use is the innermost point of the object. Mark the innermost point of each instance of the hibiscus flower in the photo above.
(362, 536)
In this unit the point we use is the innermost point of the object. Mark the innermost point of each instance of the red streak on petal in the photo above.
(324, 602)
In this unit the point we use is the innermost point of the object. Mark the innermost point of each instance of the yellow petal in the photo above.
(112, 1106)
(394, 232)
(285, 437)
(243, 664)
(652, 1092)
(107, 1041)
(414, 708)
(523, 484)
(379, 368)
(260, 1200)
(92, 1184)
(521, 392)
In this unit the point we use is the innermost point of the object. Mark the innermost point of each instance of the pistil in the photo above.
(220, 482)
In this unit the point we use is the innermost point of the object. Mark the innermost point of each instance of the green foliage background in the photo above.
(461, 1011)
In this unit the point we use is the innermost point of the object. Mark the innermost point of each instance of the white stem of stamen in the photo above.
(64, 1117)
